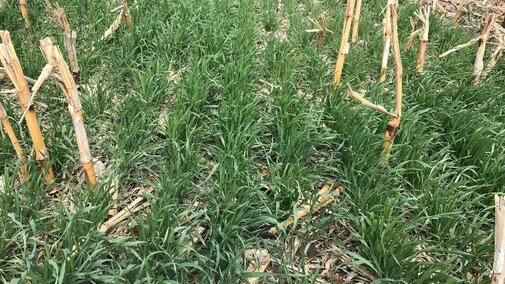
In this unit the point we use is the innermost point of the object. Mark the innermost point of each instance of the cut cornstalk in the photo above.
(497, 54)
(413, 34)
(115, 25)
(424, 16)
(368, 103)
(459, 11)
(325, 196)
(498, 276)
(3, 75)
(344, 43)
(114, 193)
(355, 26)
(46, 72)
(24, 13)
(69, 38)
(126, 14)
(15, 142)
(53, 57)
(387, 44)
(125, 213)
(394, 123)
(321, 30)
(460, 46)
(479, 58)
(397, 60)
(13, 68)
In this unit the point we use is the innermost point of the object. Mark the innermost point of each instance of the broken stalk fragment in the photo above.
(413, 24)
(115, 25)
(479, 58)
(368, 103)
(498, 275)
(355, 26)
(125, 213)
(126, 14)
(497, 54)
(321, 30)
(460, 46)
(423, 39)
(325, 196)
(344, 43)
(13, 68)
(460, 6)
(387, 44)
(15, 142)
(69, 38)
(53, 57)
(394, 123)
(44, 74)
(24, 13)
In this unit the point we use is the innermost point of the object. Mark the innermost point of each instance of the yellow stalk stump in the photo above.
(394, 123)
(24, 13)
(498, 276)
(344, 43)
(13, 69)
(355, 26)
(15, 142)
(479, 58)
(53, 57)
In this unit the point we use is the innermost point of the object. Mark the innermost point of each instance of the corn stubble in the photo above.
(54, 58)
(14, 141)
(69, 37)
(14, 71)
(394, 123)
(344, 43)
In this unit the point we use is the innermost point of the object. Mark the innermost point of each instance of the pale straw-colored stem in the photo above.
(13, 68)
(344, 43)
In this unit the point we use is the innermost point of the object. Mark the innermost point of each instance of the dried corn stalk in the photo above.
(53, 57)
(69, 37)
(44, 74)
(497, 54)
(368, 103)
(499, 241)
(325, 196)
(394, 123)
(479, 58)
(115, 25)
(344, 43)
(355, 26)
(15, 142)
(415, 31)
(387, 44)
(460, 46)
(133, 207)
(257, 261)
(123, 14)
(461, 5)
(24, 13)
(13, 68)
(424, 16)
(126, 14)
(321, 30)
